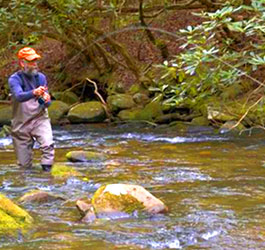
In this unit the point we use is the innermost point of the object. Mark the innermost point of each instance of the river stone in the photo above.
(69, 97)
(12, 217)
(115, 200)
(63, 171)
(218, 114)
(87, 112)
(138, 88)
(39, 196)
(141, 98)
(151, 111)
(84, 156)
(128, 114)
(200, 121)
(57, 110)
(56, 94)
(5, 114)
(120, 101)
(83, 207)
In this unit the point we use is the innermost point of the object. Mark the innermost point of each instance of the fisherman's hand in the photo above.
(46, 97)
(39, 91)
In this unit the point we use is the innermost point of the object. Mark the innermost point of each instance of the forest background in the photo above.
(197, 61)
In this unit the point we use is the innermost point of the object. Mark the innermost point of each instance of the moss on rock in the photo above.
(84, 156)
(7, 223)
(150, 112)
(106, 202)
(56, 111)
(69, 97)
(128, 114)
(87, 112)
(63, 171)
(120, 101)
(120, 199)
(12, 217)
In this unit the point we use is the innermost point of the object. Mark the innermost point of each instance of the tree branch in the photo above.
(104, 104)
(161, 46)
(243, 116)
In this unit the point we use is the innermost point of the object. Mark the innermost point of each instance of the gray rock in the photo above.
(57, 110)
(120, 101)
(84, 156)
(87, 112)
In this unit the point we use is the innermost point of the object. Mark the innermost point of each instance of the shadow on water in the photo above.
(213, 184)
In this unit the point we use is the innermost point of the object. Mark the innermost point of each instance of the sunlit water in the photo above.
(213, 185)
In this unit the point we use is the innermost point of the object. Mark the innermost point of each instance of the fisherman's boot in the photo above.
(46, 167)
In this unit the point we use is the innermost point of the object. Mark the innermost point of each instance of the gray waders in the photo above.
(31, 122)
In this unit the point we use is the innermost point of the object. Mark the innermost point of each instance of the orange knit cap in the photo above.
(28, 54)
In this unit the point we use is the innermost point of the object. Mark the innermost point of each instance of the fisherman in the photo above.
(30, 120)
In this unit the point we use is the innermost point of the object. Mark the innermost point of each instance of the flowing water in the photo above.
(213, 185)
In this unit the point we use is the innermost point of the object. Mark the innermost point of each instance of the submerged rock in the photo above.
(63, 171)
(121, 200)
(86, 210)
(39, 196)
(83, 206)
(84, 156)
(12, 217)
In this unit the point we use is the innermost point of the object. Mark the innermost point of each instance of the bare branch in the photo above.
(243, 116)
(104, 104)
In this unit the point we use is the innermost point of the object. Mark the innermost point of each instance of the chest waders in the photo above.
(31, 123)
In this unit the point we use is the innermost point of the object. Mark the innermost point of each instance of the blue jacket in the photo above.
(22, 86)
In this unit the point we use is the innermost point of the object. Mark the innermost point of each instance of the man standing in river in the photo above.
(30, 121)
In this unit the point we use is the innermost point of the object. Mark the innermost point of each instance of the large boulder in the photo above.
(57, 110)
(116, 200)
(87, 112)
(12, 217)
(84, 156)
(120, 101)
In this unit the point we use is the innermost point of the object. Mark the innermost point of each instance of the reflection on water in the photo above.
(213, 184)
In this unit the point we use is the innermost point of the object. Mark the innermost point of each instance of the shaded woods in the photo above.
(188, 60)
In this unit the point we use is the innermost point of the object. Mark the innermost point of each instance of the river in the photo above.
(213, 185)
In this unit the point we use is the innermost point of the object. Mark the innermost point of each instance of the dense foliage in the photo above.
(221, 58)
